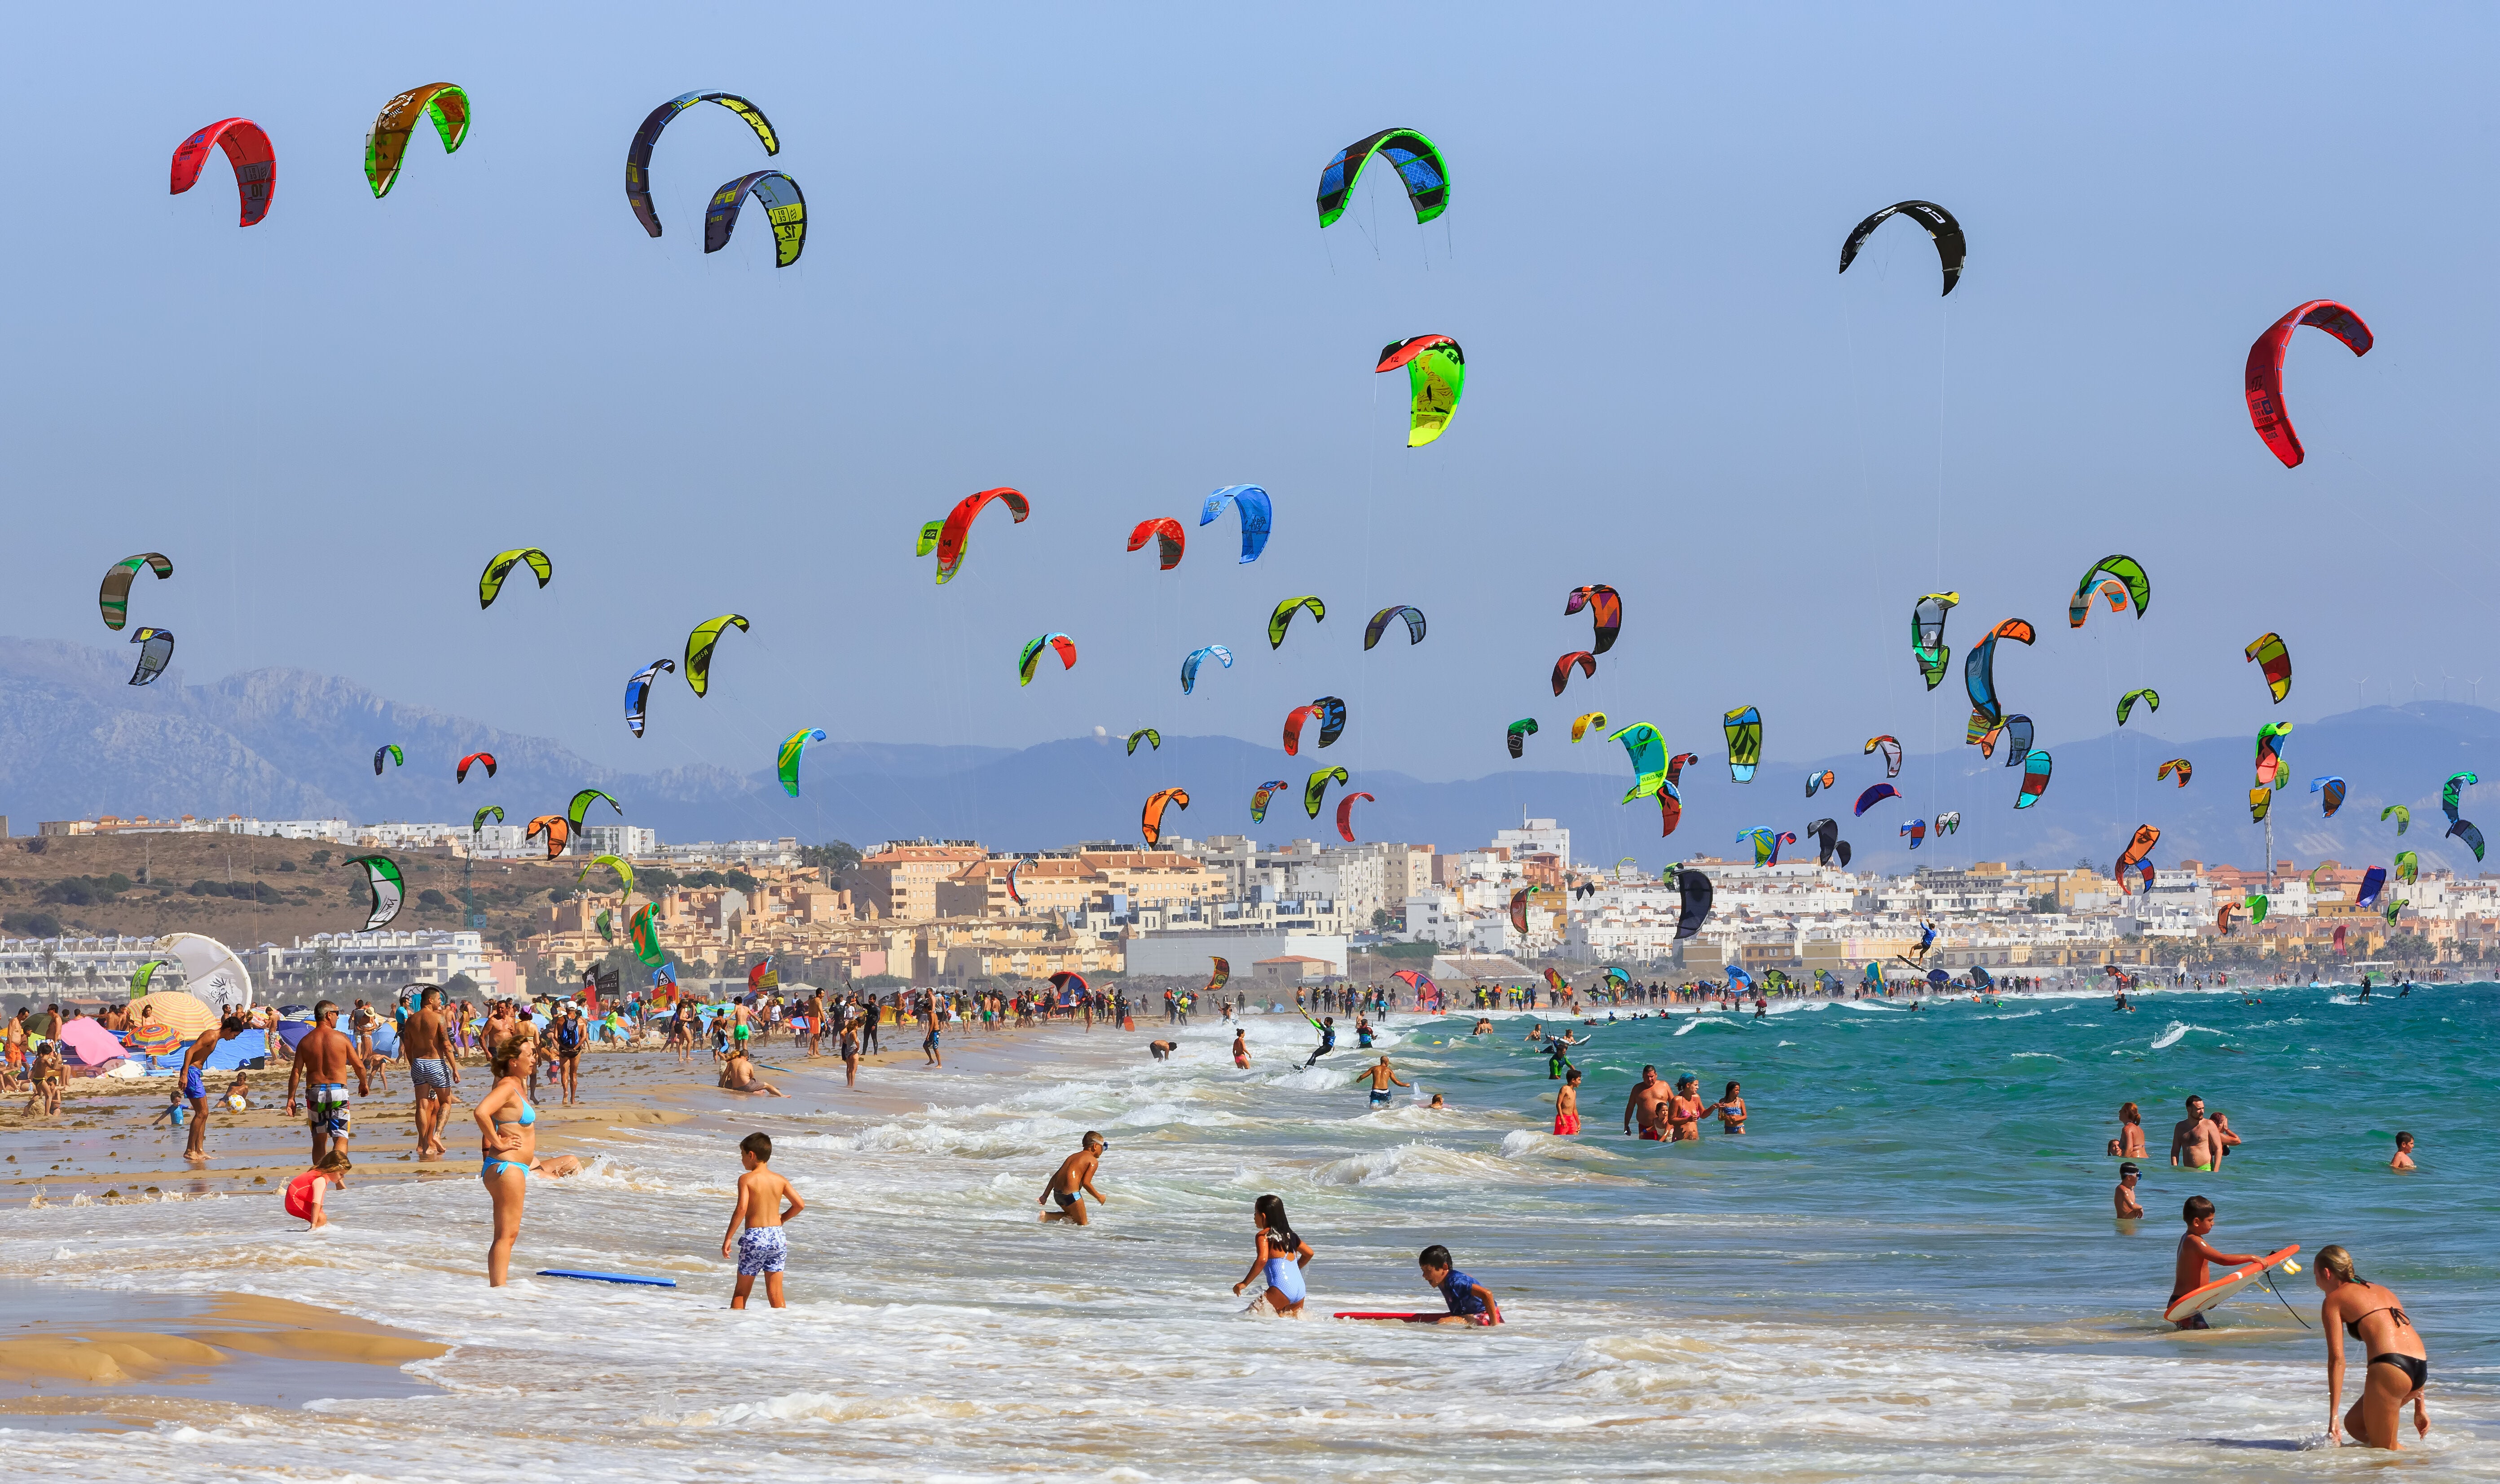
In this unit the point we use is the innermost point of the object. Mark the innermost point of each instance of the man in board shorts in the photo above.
(1644, 1104)
(323, 1058)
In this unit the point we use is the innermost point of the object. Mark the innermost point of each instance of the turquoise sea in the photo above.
(1907, 1270)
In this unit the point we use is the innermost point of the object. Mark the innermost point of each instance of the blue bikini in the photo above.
(490, 1165)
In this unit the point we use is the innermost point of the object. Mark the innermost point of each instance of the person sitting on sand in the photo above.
(304, 1192)
(738, 1076)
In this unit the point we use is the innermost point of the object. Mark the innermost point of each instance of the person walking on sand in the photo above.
(1382, 1078)
(323, 1058)
(195, 1087)
(762, 1248)
(1075, 1182)
(507, 1147)
(2398, 1364)
(48, 1074)
(1279, 1256)
(433, 1069)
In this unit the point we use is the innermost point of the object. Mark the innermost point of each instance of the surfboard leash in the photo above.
(2268, 1279)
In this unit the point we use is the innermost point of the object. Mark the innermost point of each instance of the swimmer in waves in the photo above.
(1483, 1026)
(1381, 1078)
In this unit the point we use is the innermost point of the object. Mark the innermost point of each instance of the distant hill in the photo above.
(77, 740)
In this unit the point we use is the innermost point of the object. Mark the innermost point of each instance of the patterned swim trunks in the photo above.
(761, 1249)
(326, 1108)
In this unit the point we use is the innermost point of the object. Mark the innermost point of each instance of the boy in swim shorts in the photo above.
(1567, 1105)
(762, 1247)
(2194, 1252)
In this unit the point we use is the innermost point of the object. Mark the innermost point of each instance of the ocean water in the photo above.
(1907, 1270)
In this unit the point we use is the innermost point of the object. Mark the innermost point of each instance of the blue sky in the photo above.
(1073, 250)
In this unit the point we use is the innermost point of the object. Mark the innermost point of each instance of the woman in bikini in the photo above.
(507, 1147)
(2371, 1313)
(1730, 1108)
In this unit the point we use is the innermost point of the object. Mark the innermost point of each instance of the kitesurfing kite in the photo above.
(382, 881)
(1196, 657)
(2333, 787)
(389, 749)
(1743, 728)
(112, 596)
(787, 764)
(2126, 569)
(1927, 634)
(638, 692)
(2267, 649)
(2451, 793)
(1152, 820)
(1436, 375)
(1917, 830)
(491, 581)
(2035, 779)
(155, 652)
(1415, 159)
(247, 150)
(1257, 511)
(955, 532)
(1519, 733)
(556, 829)
(2270, 770)
(1947, 822)
(1587, 661)
(1891, 747)
(1259, 800)
(1413, 616)
(2127, 703)
(784, 204)
(1875, 795)
(460, 770)
(580, 805)
(1815, 783)
(1979, 675)
(386, 143)
(1940, 225)
(1647, 750)
(1345, 814)
(1154, 740)
(1694, 888)
(1029, 659)
(1315, 788)
(2179, 765)
(2403, 817)
(1171, 539)
(1581, 724)
(638, 154)
(2266, 411)
(1605, 608)
(700, 643)
(1282, 618)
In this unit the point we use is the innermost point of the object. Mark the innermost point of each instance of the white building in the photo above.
(1187, 953)
(371, 966)
(626, 840)
(49, 970)
(1535, 837)
(784, 852)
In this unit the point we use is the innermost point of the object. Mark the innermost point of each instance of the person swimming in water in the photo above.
(1280, 1257)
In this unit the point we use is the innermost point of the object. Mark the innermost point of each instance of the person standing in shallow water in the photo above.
(1280, 1258)
(2399, 1366)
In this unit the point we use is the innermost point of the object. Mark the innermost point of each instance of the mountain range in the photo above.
(77, 740)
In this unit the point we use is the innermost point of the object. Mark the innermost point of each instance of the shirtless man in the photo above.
(433, 1069)
(1684, 1110)
(195, 1088)
(1381, 1078)
(738, 1076)
(2195, 1252)
(1075, 1182)
(323, 1060)
(2196, 1143)
(1644, 1104)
